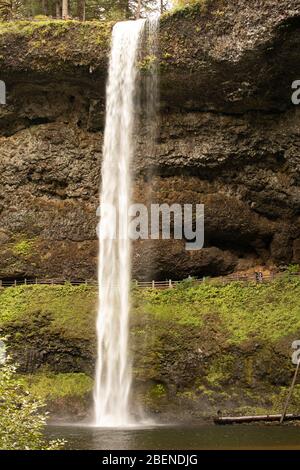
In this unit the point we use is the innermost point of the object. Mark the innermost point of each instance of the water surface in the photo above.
(208, 437)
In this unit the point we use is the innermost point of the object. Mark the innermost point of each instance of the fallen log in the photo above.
(254, 419)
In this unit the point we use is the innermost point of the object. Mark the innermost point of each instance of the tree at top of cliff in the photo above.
(79, 9)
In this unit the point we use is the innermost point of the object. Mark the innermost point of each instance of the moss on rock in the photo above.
(23, 248)
(50, 386)
(65, 394)
(54, 45)
(200, 348)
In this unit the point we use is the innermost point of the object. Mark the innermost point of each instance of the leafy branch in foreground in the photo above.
(22, 418)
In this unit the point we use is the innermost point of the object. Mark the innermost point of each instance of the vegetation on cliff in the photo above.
(204, 346)
(54, 45)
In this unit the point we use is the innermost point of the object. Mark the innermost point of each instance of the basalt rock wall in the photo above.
(229, 138)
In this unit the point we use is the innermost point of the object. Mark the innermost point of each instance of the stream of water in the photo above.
(113, 370)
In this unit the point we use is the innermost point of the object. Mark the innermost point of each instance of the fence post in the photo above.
(0, 282)
(15, 283)
(25, 281)
(170, 284)
(153, 284)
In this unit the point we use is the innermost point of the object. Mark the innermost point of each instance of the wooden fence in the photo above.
(167, 284)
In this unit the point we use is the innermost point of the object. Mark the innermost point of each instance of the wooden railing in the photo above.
(167, 284)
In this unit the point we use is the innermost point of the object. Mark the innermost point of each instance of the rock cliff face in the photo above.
(229, 138)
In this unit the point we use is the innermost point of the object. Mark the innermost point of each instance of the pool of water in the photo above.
(208, 437)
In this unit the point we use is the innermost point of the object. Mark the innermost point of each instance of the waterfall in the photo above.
(113, 370)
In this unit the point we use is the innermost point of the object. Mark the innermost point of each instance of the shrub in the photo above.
(22, 419)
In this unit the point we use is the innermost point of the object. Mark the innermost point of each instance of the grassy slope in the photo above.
(244, 333)
(218, 344)
(72, 309)
(267, 311)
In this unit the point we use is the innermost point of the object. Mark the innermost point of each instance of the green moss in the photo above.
(187, 394)
(220, 370)
(147, 63)
(279, 396)
(55, 44)
(225, 344)
(158, 391)
(70, 310)
(55, 28)
(23, 248)
(268, 311)
(189, 8)
(183, 7)
(293, 268)
(50, 386)
(155, 398)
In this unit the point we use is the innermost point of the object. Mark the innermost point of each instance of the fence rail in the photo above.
(167, 284)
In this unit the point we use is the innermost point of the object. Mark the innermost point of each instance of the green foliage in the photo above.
(166, 327)
(147, 63)
(293, 268)
(188, 7)
(41, 18)
(50, 386)
(70, 310)
(53, 44)
(158, 391)
(220, 370)
(167, 305)
(22, 419)
(268, 311)
(193, 8)
(23, 247)
(185, 3)
(186, 283)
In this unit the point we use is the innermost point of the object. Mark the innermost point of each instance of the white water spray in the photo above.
(113, 371)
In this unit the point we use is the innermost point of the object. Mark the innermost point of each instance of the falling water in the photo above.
(113, 371)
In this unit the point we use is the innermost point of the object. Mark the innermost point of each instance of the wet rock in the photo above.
(229, 139)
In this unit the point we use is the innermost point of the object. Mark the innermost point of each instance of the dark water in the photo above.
(171, 438)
